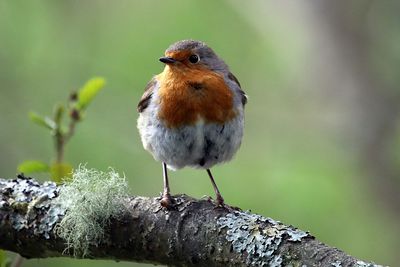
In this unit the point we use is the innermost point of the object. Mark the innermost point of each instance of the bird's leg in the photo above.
(166, 199)
(220, 199)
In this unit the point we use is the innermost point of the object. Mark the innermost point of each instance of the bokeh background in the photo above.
(322, 142)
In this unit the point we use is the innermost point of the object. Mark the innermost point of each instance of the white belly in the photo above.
(200, 146)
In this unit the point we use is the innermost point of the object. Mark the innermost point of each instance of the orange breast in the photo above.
(186, 95)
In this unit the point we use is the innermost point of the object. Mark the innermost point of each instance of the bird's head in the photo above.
(193, 55)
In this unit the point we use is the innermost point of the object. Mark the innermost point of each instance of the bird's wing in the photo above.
(146, 97)
(241, 92)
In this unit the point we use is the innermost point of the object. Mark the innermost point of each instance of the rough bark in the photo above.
(193, 233)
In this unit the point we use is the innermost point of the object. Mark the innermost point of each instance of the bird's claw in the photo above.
(167, 201)
(220, 201)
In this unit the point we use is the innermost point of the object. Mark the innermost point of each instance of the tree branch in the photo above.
(194, 233)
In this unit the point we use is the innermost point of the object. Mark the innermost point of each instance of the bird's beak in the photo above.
(167, 60)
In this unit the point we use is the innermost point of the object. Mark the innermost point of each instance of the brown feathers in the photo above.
(146, 97)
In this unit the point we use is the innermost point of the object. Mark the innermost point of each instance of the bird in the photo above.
(192, 113)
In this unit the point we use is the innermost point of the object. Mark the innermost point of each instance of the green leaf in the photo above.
(42, 121)
(31, 166)
(3, 257)
(60, 171)
(4, 260)
(89, 91)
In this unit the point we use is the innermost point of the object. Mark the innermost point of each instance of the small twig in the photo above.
(61, 139)
(59, 143)
(75, 117)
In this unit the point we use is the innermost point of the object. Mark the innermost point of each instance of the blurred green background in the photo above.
(322, 142)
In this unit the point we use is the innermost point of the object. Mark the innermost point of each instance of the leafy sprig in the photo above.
(62, 131)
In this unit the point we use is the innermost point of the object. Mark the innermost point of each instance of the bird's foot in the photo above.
(167, 201)
(207, 198)
(220, 201)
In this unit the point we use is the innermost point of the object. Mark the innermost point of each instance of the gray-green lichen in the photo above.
(336, 264)
(258, 237)
(31, 205)
(91, 198)
(366, 264)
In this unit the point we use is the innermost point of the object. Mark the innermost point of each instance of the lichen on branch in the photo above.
(92, 198)
(31, 205)
(260, 244)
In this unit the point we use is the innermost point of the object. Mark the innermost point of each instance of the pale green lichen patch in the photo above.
(258, 237)
(366, 264)
(92, 198)
(31, 205)
(336, 264)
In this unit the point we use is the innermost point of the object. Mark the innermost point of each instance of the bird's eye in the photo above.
(194, 59)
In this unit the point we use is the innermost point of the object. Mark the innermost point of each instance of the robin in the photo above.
(191, 114)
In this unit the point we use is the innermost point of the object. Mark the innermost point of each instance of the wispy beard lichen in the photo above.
(91, 199)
